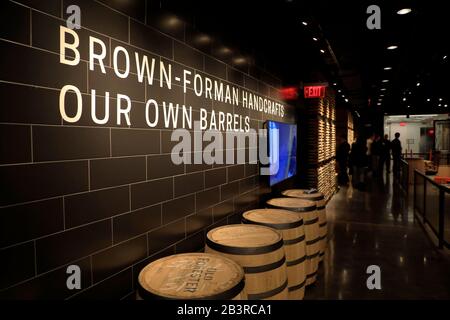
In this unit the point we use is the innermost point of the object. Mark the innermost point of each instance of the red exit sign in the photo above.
(314, 91)
(289, 93)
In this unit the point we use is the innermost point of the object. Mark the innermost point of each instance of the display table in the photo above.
(444, 170)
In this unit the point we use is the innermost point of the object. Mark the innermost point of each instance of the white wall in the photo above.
(409, 131)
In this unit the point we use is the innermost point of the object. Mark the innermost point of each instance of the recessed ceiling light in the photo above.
(404, 99)
(404, 11)
(445, 105)
(440, 99)
(304, 23)
(315, 39)
(392, 47)
(385, 80)
(428, 100)
(334, 84)
(383, 89)
(379, 104)
(203, 39)
(339, 90)
(444, 57)
(418, 84)
(387, 68)
(239, 61)
(343, 96)
(439, 105)
(321, 50)
(409, 106)
(225, 50)
(381, 95)
(346, 100)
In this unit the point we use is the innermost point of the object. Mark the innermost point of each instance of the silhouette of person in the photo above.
(396, 147)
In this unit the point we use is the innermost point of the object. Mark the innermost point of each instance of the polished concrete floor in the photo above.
(377, 227)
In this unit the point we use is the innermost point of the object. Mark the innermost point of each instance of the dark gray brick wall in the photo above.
(104, 197)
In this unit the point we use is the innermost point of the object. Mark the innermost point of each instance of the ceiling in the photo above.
(419, 118)
(419, 70)
(354, 57)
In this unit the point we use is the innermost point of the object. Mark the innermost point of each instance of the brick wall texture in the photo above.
(105, 197)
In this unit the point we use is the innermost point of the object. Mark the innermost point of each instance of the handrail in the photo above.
(442, 157)
(438, 230)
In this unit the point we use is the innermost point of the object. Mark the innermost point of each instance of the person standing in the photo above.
(358, 158)
(385, 156)
(342, 152)
(396, 147)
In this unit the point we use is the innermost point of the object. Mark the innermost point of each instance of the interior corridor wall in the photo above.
(107, 197)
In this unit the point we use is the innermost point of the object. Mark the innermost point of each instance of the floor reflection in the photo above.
(376, 227)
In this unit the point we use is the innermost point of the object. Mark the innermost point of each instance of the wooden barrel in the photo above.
(291, 227)
(319, 198)
(193, 276)
(307, 210)
(259, 250)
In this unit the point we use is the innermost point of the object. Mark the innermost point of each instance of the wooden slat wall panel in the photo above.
(321, 144)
